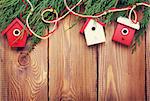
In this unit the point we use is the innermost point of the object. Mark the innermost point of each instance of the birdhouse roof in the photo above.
(16, 20)
(87, 22)
(128, 22)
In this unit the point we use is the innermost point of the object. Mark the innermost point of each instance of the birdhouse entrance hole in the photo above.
(16, 32)
(93, 28)
(125, 31)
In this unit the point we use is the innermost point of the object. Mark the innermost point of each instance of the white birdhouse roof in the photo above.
(128, 22)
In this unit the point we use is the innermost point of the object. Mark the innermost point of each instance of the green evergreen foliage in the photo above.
(10, 9)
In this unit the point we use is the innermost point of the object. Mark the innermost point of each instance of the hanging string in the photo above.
(132, 10)
(70, 10)
(130, 14)
(27, 23)
(60, 18)
(95, 16)
(111, 10)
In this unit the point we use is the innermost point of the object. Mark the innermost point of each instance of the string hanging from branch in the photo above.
(70, 10)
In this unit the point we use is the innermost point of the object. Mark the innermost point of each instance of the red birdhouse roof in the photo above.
(86, 23)
(16, 20)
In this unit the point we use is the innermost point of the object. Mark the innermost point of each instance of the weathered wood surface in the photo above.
(3, 83)
(63, 68)
(121, 73)
(24, 75)
(73, 68)
(148, 63)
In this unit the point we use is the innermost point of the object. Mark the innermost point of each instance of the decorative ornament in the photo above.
(125, 30)
(94, 32)
(16, 33)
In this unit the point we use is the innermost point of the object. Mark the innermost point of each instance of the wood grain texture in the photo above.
(73, 74)
(65, 69)
(3, 77)
(121, 73)
(26, 74)
(148, 63)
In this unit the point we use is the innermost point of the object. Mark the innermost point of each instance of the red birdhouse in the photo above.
(16, 33)
(125, 31)
(94, 32)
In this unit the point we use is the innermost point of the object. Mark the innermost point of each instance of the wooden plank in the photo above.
(26, 73)
(121, 73)
(3, 83)
(148, 63)
(72, 64)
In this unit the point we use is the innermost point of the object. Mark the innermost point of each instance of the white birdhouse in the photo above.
(94, 32)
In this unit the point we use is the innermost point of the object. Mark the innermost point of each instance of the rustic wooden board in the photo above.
(121, 73)
(3, 94)
(72, 65)
(148, 63)
(65, 69)
(25, 74)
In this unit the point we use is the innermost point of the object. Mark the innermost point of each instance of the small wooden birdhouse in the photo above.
(16, 33)
(94, 32)
(125, 30)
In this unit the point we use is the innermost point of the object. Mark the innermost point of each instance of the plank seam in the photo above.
(48, 68)
(146, 69)
(97, 61)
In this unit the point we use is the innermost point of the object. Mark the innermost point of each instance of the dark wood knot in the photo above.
(24, 58)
